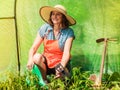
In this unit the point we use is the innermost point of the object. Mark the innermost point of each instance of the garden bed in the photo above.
(78, 81)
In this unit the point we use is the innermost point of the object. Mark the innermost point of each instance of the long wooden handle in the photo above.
(102, 62)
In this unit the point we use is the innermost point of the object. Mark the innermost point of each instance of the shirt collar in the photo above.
(50, 28)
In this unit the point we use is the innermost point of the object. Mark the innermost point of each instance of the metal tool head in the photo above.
(100, 40)
(106, 39)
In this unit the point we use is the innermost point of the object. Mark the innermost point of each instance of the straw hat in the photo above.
(46, 10)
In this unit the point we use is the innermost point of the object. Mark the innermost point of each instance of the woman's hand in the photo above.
(59, 70)
(37, 42)
(58, 75)
(30, 64)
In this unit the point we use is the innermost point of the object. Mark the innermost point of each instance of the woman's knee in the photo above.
(37, 58)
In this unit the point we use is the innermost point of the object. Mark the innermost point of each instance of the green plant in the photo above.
(78, 81)
(16, 82)
(112, 81)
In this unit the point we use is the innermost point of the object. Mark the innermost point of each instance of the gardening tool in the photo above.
(62, 70)
(35, 70)
(105, 40)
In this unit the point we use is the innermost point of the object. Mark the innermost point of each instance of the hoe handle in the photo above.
(103, 59)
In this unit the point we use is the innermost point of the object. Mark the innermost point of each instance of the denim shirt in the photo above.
(64, 34)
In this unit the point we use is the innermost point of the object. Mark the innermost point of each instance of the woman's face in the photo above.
(56, 17)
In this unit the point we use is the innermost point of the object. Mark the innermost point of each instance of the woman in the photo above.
(57, 39)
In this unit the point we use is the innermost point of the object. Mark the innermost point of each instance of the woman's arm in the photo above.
(37, 42)
(66, 56)
(66, 52)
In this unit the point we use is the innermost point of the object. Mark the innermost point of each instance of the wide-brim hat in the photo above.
(46, 10)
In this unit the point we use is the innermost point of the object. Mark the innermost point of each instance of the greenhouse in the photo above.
(96, 21)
